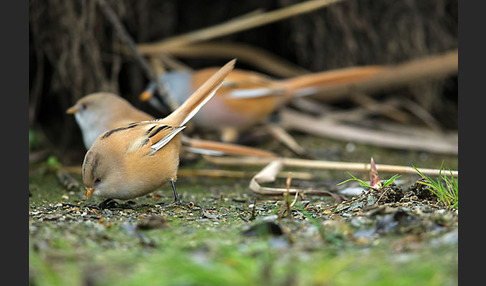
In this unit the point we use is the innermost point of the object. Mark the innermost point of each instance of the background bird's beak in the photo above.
(89, 191)
(146, 96)
(72, 110)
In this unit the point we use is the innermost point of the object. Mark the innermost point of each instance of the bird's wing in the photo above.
(156, 134)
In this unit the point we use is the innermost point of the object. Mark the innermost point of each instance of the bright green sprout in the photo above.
(445, 188)
(365, 185)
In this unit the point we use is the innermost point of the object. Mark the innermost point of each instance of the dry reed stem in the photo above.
(239, 24)
(434, 142)
(322, 164)
(254, 56)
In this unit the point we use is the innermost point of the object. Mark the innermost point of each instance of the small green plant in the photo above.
(365, 185)
(446, 188)
(53, 163)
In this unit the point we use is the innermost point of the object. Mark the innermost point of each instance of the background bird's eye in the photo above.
(97, 181)
(84, 105)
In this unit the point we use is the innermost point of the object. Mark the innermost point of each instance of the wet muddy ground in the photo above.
(230, 236)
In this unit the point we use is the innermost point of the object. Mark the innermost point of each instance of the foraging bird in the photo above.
(246, 98)
(98, 112)
(136, 159)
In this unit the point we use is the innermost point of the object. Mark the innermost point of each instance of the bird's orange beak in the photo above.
(72, 110)
(89, 192)
(146, 95)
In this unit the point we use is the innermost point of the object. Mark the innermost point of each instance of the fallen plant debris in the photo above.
(433, 141)
(321, 164)
(268, 174)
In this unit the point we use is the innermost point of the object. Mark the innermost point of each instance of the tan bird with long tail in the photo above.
(136, 159)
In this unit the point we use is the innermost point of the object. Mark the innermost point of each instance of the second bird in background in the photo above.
(246, 98)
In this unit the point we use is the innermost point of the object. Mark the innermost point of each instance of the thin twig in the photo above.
(420, 112)
(156, 63)
(376, 203)
(117, 25)
(287, 195)
(285, 138)
(253, 209)
(389, 110)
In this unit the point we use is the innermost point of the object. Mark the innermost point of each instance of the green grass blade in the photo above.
(388, 182)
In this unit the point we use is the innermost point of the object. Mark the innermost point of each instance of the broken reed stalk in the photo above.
(284, 137)
(268, 174)
(322, 164)
(434, 142)
(286, 204)
(237, 25)
(224, 148)
(388, 108)
(245, 53)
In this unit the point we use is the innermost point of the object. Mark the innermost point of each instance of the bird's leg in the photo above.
(176, 197)
(177, 201)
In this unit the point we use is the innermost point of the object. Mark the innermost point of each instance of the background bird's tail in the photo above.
(203, 94)
(311, 83)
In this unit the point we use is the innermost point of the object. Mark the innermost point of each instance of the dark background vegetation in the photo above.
(74, 50)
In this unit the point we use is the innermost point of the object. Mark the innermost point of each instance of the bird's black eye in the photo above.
(97, 181)
(84, 106)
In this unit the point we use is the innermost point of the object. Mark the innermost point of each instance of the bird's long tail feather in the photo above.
(202, 95)
(310, 83)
